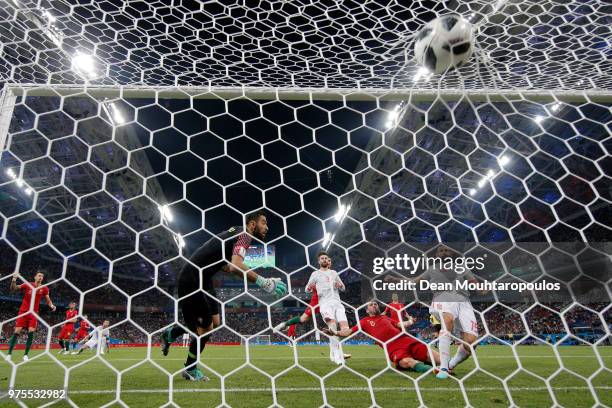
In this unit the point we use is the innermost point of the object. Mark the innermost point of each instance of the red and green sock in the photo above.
(291, 322)
(29, 342)
(12, 343)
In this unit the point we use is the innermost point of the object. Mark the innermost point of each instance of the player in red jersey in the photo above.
(394, 310)
(405, 352)
(83, 331)
(68, 328)
(292, 332)
(28, 309)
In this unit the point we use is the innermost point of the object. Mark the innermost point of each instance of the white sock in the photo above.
(444, 349)
(460, 356)
(333, 341)
(339, 353)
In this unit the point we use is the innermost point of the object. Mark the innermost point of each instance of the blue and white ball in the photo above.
(444, 43)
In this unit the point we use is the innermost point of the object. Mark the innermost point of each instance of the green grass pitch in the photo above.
(367, 381)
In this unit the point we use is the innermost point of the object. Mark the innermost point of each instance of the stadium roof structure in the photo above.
(543, 44)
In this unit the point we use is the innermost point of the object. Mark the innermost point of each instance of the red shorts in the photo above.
(27, 321)
(66, 332)
(407, 347)
(291, 332)
(81, 335)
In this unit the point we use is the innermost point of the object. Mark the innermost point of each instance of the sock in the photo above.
(291, 322)
(61, 343)
(339, 352)
(66, 345)
(12, 343)
(193, 347)
(420, 368)
(29, 342)
(444, 347)
(460, 356)
(334, 346)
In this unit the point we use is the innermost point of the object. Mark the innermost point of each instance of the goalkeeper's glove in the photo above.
(272, 285)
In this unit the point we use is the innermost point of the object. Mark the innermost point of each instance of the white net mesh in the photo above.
(522, 44)
(188, 117)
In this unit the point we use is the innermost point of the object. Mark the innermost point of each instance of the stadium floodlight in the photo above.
(11, 173)
(326, 240)
(180, 241)
(394, 113)
(166, 213)
(555, 107)
(539, 119)
(393, 116)
(20, 183)
(482, 182)
(341, 213)
(472, 191)
(28, 191)
(503, 160)
(84, 65)
(114, 113)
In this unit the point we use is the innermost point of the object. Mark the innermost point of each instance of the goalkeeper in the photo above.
(197, 296)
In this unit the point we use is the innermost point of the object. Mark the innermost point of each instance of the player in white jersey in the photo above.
(186, 340)
(452, 308)
(328, 284)
(99, 335)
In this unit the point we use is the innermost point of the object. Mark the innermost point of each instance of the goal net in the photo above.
(131, 133)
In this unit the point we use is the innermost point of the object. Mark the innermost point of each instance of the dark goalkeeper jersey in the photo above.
(215, 253)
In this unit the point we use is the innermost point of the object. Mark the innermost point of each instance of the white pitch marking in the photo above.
(342, 389)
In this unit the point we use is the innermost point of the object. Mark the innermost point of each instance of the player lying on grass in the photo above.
(327, 283)
(65, 335)
(100, 335)
(28, 309)
(313, 306)
(197, 296)
(452, 308)
(404, 351)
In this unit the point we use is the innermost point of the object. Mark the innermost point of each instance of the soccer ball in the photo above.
(444, 44)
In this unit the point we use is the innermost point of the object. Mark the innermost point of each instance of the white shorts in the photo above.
(334, 311)
(463, 312)
(91, 343)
